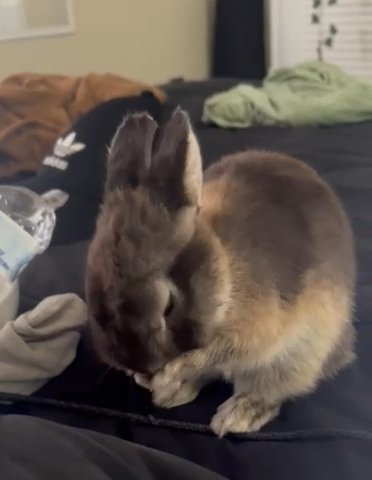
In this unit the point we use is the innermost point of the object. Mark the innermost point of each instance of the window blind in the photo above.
(351, 46)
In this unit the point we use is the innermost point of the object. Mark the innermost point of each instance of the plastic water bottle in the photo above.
(27, 221)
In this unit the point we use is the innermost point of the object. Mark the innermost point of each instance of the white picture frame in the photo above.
(25, 32)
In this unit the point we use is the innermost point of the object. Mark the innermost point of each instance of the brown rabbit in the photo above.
(248, 275)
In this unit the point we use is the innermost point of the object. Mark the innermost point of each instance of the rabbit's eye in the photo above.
(169, 308)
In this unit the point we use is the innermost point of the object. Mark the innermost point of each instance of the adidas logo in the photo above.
(67, 146)
(63, 148)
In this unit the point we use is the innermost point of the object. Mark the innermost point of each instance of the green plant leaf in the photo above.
(315, 18)
(332, 2)
(328, 42)
(317, 3)
(333, 29)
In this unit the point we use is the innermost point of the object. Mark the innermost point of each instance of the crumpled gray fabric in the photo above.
(41, 343)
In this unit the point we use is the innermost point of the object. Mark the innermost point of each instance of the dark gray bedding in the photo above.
(325, 435)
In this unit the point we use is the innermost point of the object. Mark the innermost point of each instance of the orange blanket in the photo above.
(36, 109)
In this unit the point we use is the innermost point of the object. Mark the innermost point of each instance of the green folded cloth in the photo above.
(313, 93)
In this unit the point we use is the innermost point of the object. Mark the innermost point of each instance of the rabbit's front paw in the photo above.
(169, 390)
(243, 414)
(142, 380)
(175, 395)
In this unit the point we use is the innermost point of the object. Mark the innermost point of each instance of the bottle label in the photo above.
(17, 247)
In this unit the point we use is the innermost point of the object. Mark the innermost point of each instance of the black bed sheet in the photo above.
(325, 435)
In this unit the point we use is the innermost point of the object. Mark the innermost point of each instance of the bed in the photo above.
(325, 435)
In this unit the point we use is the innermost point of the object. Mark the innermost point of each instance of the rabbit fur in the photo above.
(246, 274)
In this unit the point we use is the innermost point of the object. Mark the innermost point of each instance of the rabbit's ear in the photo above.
(176, 168)
(130, 152)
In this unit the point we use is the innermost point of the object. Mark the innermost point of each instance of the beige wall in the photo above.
(42, 13)
(150, 40)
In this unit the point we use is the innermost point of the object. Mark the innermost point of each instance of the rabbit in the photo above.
(245, 273)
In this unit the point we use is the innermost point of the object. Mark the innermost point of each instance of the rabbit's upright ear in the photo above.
(130, 153)
(176, 169)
